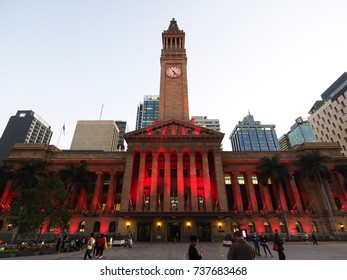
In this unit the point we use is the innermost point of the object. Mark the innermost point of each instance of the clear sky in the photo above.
(66, 59)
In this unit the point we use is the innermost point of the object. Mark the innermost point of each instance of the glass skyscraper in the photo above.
(147, 111)
(250, 135)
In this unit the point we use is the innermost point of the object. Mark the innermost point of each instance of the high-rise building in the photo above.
(123, 128)
(301, 132)
(204, 121)
(284, 142)
(147, 111)
(250, 135)
(24, 127)
(95, 135)
(329, 118)
(174, 180)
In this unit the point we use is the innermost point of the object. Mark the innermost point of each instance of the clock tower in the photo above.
(173, 100)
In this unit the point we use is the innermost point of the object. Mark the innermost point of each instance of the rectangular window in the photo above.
(227, 179)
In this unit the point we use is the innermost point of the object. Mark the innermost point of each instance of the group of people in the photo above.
(241, 249)
(95, 246)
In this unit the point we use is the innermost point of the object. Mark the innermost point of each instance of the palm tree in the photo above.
(75, 178)
(310, 165)
(272, 168)
(28, 175)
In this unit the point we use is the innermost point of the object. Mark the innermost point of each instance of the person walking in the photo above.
(255, 240)
(306, 237)
(240, 249)
(101, 246)
(193, 253)
(314, 239)
(90, 246)
(278, 241)
(263, 243)
(96, 248)
(129, 241)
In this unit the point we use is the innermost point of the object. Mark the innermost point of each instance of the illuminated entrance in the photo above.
(144, 232)
(204, 231)
(174, 231)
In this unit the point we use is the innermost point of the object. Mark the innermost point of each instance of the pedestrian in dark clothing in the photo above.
(101, 246)
(240, 249)
(255, 240)
(314, 239)
(192, 251)
(96, 248)
(263, 243)
(279, 241)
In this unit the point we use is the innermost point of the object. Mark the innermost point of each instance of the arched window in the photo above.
(235, 226)
(82, 226)
(267, 227)
(314, 227)
(112, 227)
(251, 227)
(282, 227)
(96, 226)
(298, 227)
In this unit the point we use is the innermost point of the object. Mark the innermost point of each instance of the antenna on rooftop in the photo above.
(102, 107)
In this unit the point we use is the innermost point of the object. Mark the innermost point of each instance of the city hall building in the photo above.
(174, 180)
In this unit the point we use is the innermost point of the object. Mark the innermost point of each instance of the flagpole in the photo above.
(61, 130)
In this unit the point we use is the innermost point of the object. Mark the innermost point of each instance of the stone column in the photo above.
(266, 193)
(207, 182)
(154, 181)
(237, 193)
(296, 194)
(193, 184)
(111, 192)
(180, 182)
(97, 191)
(251, 192)
(222, 196)
(125, 196)
(167, 183)
(141, 179)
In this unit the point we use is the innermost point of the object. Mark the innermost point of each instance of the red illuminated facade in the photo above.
(174, 180)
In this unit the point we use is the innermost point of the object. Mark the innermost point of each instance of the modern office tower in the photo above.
(301, 132)
(147, 111)
(123, 128)
(284, 142)
(329, 120)
(95, 135)
(250, 135)
(204, 121)
(25, 127)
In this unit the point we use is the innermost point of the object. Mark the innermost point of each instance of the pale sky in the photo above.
(65, 59)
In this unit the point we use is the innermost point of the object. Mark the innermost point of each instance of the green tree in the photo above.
(311, 166)
(75, 178)
(39, 206)
(272, 168)
(28, 175)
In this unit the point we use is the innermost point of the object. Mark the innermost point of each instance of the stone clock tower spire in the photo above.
(173, 101)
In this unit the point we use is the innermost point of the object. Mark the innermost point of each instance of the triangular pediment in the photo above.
(174, 128)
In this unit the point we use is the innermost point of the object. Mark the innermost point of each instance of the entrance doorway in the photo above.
(174, 231)
(204, 231)
(144, 232)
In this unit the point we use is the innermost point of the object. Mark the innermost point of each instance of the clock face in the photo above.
(173, 72)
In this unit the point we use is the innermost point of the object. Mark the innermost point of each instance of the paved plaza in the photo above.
(213, 251)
